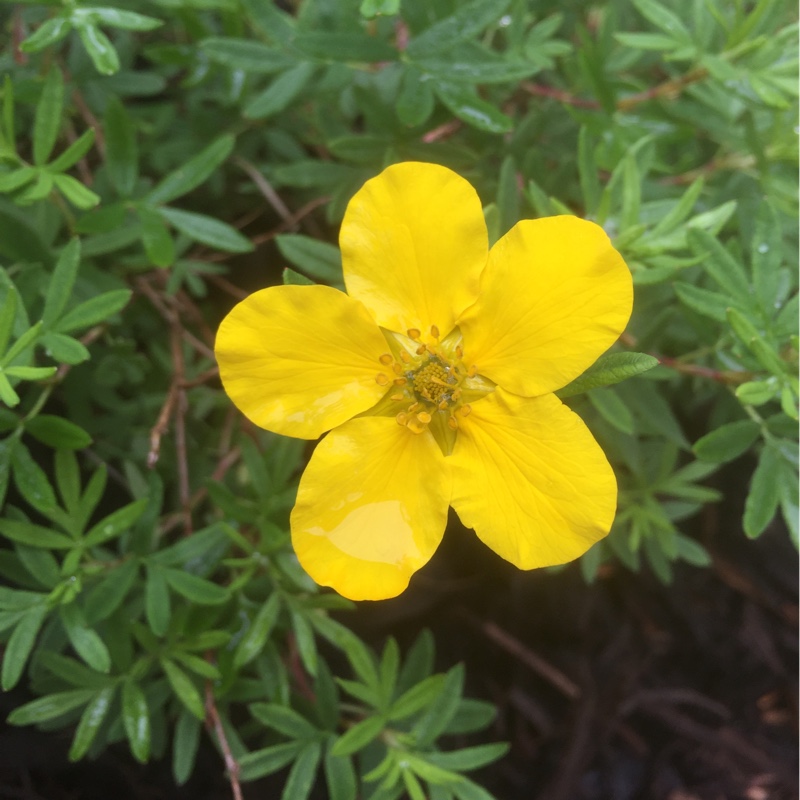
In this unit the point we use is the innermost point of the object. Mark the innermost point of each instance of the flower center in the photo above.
(431, 384)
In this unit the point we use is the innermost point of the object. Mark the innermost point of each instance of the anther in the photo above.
(434, 332)
(452, 423)
(405, 357)
(399, 381)
(397, 369)
(421, 349)
(381, 379)
(459, 351)
(413, 333)
(443, 404)
(386, 359)
(415, 426)
(413, 407)
(401, 418)
(472, 371)
(424, 417)
(397, 397)
(466, 410)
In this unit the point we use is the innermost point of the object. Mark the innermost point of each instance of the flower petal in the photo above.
(414, 243)
(299, 360)
(554, 296)
(531, 480)
(371, 508)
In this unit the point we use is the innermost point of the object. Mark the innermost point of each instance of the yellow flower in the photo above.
(435, 377)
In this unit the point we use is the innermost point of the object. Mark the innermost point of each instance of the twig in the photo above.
(539, 90)
(442, 132)
(728, 377)
(517, 649)
(264, 186)
(669, 89)
(213, 721)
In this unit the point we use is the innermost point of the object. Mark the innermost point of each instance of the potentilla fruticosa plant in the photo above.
(434, 378)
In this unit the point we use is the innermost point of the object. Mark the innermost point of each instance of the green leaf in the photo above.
(374, 8)
(136, 720)
(58, 432)
(64, 349)
(609, 369)
(253, 641)
(30, 373)
(97, 309)
(116, 18)
(184, 746)
(156, 238)
(340, 777)
(198, 590)
(467, 790)
(466, 23)
(720, 264)
(292, 278)
(244, 54)
(207, 230)
(268, 760)
(87, 643)
(727, 442)
(280, 93)
(76, 192)
(7, 393)
(32, 483)
(663, 18)
(99, 48)
(464, 102)
(115, 523)
(106, 597)
(47, 121)
(415, 101)
(442, 710)
(11, 181)
(89, 726)
(194, 172)
(34, 535)
(692, 552)
(72, 671)
(349, 47)
(417, 697)
(612, 409)
(321, 260)
(469, 758)
(74, 153)
(284, 720)
(50, 706)
(8, 313)
(48, 33)
(303, 773)
(756, 393)
(710, 304)
(306, 645)
(647, 41)
(59, 287)
(473, 72)
(157, 602)
(587, 171)
(764, 495)
(16, 653)
(184, 688)
(358, 737)
(122, 155)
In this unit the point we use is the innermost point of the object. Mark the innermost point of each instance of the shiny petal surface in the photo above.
(299, 360)
(554, 296)
(531, 480)
(371, 508)
(414, 243)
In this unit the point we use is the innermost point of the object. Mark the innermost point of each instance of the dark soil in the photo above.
(623, 690)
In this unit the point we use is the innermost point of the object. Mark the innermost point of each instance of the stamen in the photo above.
(472, 371)
(381, 379)
(386, 359)
(415, 426)
(443, 404)
(465, 410)
(434, 332)
(413, 407)
(397, 397)
(397, 369)
(452, 422)
(413, 333)
(424, 417)
(459, 351)
(399, 381)
(405, 357)
(421, 349)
